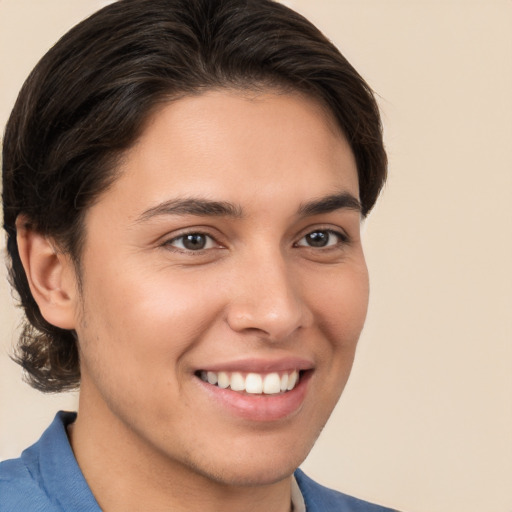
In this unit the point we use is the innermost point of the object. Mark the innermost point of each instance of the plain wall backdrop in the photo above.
(425, 423)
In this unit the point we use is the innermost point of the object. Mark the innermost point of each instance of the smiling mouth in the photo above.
(253, 383)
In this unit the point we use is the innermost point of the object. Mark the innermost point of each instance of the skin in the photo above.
(151, 312)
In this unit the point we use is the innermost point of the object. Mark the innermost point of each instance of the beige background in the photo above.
(425, 424)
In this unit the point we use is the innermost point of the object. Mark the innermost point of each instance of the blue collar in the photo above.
(52, 463)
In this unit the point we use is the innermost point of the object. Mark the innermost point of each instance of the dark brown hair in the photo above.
(87, 99)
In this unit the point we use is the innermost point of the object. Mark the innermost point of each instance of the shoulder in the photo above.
(29, 482)
(321, 499)
(20, 489)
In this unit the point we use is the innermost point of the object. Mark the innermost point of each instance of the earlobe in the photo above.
(50, 274)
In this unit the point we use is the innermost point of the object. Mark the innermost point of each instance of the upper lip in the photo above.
(258, 365)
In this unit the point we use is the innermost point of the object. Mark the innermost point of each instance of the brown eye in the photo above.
(193, 242)
(317, 239)
(320, 239)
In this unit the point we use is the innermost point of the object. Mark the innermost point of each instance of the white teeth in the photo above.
(237, 382)
(292, 380)
(271, 384)
(284, 382)
(253, 383)
(223, 380)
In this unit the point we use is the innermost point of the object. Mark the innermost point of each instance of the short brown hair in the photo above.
(86, 101)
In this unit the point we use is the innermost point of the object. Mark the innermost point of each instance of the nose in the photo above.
(267, 299)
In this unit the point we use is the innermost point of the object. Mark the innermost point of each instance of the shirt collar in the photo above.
(60, 475)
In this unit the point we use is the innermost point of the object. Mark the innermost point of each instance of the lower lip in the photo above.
(260, 408)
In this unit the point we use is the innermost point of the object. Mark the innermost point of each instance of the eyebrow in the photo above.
(331, 203)
(192, 206)
(206, 207)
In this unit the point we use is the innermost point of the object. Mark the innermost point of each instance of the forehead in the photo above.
(227, 145)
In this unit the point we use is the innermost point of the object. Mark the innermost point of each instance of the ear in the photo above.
(51, 276)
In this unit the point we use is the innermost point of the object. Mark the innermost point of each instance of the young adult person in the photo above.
(183, 187)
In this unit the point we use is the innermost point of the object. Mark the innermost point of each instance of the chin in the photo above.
(252, 476)
(261, 468)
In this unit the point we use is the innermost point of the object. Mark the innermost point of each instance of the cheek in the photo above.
(340, 305)
(341, 312)
(144, 320)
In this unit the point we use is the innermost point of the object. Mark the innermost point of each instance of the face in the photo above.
(224, 286)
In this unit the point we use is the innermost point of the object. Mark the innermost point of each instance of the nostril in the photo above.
(276, 318)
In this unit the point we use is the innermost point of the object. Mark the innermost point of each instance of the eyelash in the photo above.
(341, 237)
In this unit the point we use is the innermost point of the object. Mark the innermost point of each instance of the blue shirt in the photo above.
(46, 478)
